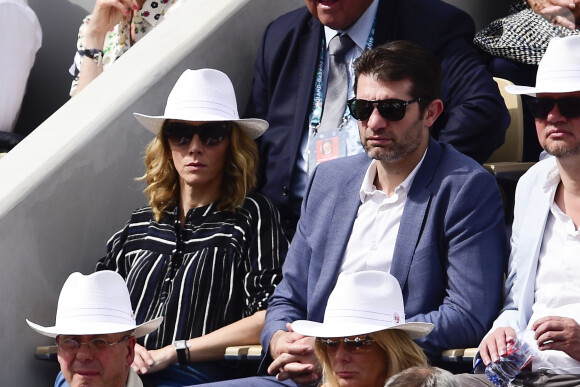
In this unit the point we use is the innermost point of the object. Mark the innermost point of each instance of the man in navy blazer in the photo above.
(474, 120)
(410, 206)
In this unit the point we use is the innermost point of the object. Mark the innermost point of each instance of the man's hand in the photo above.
(495, 344)
(558, 333)
(152, 361)
(294, 357)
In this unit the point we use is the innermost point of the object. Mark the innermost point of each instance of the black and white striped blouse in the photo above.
(220, 267)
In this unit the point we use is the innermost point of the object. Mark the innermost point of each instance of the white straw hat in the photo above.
(558, 71)
(203, 95)
(95, 304)
(361, 303)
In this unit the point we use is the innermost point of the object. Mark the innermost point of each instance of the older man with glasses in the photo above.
(96, 332)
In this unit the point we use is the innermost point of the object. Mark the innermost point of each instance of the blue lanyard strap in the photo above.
(317, 99)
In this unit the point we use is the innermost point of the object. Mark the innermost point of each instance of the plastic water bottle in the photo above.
(518, 354)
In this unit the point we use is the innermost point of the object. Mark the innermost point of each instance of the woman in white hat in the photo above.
(364, 338)
(207, 252)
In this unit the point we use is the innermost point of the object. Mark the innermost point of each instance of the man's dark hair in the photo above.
(399, 60)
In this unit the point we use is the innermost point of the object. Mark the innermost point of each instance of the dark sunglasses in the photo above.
(355, 344)
(569, 107)
(210, 134)
(389, 109)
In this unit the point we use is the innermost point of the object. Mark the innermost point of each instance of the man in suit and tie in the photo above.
(293, 79)
(419, 210)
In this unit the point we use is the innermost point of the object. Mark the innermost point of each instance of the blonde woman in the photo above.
(364, 339)
(207, 252)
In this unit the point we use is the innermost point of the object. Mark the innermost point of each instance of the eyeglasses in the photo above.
(356, 344)
(96, 344)
(389, 109)
(569, 107)
(210, 134)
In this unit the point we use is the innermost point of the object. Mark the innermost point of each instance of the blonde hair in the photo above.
(399, 350)
(162, 179)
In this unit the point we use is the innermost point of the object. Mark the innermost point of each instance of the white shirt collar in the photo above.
(551, 183)
(360, 30)
(368, 188)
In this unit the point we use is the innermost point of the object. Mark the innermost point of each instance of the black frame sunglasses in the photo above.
(390, 109)
(569, 107)
(210, 133)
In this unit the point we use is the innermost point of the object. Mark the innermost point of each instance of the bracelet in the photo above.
(95, 54)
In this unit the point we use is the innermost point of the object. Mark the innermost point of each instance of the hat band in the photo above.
(197, 110)
(389, 316)
(558, 79)
(92, 315)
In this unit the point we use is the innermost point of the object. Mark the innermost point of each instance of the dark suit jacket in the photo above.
(449, 254)
(475, 117)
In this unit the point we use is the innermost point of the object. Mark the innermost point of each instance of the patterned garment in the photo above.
(220, 267)
(118, 40)
(522, 36)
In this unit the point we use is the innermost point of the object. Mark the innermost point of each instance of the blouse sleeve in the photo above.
(75, 68)
(266, 253)
(115, 258)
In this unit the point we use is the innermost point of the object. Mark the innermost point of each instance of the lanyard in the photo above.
(317, 100)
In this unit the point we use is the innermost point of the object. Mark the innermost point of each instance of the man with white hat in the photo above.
(542, 288)
(96, 331)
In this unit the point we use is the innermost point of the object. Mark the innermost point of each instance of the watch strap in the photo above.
(95, 54)
(182, 348)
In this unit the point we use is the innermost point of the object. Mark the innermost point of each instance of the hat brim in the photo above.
(415, 330)
(533, 91)
(96, 328)
(253, 127)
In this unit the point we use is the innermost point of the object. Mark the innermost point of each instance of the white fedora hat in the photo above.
(361, 303)
(558, 71)
(203, 95)
(95, 304)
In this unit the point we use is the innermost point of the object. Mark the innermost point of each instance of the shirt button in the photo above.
(285, 191)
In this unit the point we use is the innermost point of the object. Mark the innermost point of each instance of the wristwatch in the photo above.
(182, 348)
(95, 54)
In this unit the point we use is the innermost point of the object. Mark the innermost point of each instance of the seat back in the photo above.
(512, 149)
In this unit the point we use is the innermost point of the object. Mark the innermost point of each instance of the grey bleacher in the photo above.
(68, 186)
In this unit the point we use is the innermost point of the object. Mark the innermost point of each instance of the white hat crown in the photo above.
(98, 303)
(363, 302)
(203, 95)
(558, 71)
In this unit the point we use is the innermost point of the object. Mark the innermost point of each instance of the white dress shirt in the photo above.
(372, 242)
(557, 286)
(133, 379)
(21, 39)
(359, 33)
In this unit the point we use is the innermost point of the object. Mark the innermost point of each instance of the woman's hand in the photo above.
(149, 361)
(105, 15)
(558, 12)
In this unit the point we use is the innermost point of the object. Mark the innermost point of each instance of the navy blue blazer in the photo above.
(474, 120)
(449, 254)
